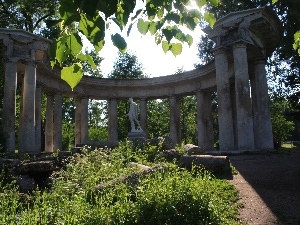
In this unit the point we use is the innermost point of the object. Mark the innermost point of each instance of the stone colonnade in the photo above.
(244, 119)
(243, 40)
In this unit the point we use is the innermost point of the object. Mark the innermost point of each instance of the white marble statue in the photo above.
(133, 116)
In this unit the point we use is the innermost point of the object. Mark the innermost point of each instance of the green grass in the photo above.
(173, 196)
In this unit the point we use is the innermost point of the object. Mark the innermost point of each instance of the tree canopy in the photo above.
(161, 18)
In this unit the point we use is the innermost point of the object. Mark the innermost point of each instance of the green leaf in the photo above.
(173, 17)
(158, 38)
(274, 1)
(189, 39)
(89, 8)
(72, 74)
(297, 35)
(151, 10)
(176, 48)
(61, 49)
(143, 26)
(160, 13)
(200, 3)
(210, 18)
(108, 7)
(122, 15)
(68, 12)
(93, 29)
(119, 42)
(296, 44)
(74, 44)
(99, 45)
(51, 23)
(169, 33)
(191, 22)
(214, 2)
(153, 27)
(165, 46)
(89, 59)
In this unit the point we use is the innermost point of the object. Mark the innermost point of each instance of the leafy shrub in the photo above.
(174, 196)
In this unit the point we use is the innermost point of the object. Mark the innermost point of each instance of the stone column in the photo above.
(263, 136)
(28, 112)
(244, 122)
(57, 122)
(78, 111)
(38, 120)
(112, 120)
(20, 134)
(84, 120)
(49, 124)
(204, 121)
(226, 136)
(9, 103)
(174, 120)
(143, 115)
(233, 107)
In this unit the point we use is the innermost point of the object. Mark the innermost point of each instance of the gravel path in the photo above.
(269, 188)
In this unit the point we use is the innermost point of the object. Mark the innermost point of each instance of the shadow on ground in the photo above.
(276, 178)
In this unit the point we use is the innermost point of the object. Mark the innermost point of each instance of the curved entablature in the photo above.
(151, 88)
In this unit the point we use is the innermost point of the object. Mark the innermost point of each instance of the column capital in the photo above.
(29, 61)
(239, 44)
(143, 98)
(259, 60)
(199, 91)
(220, 50)
(11, 59)
(48, 93)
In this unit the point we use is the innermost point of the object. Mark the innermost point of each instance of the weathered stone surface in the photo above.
(166, 142)
(141, 166)
(101, 144)
(216, 164)
(171, 154)
(26, 183)
(131, 179)
(191, 149)
(36, 167)
(8, 162)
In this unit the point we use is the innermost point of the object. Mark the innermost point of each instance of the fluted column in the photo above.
(226, 136)
(9, 103)
(263, 137)
(204, 121)
(38, 120)
(174, 120)
(57, 121)
(143, 115)
(112, 120)
(28, 109)
(84, 120)
(49, 124)
(78, 111)
(244, 122)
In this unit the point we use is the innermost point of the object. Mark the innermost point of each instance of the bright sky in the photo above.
(155, 62)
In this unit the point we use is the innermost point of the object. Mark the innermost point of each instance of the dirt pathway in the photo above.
(269, 187)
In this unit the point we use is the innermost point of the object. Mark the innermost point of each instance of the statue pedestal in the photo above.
(138, 137)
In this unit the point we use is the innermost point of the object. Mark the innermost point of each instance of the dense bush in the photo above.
(172, 196)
